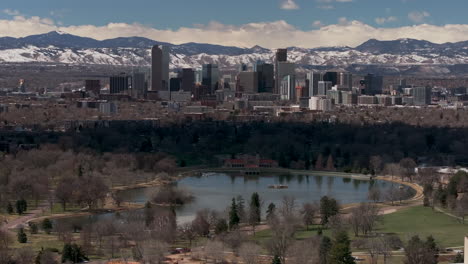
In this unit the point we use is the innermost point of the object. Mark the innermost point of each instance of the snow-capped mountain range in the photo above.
(59, 47)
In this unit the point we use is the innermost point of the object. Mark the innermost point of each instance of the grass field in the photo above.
(407, 222)
(422, 221)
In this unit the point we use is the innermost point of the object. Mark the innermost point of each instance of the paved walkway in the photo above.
(25, 218)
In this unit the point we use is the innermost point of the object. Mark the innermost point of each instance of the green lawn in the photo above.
(418, 220)
(422, 221)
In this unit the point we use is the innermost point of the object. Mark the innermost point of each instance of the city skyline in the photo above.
(276, 24)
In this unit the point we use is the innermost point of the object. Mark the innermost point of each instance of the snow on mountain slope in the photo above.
(60, 47)
(142, 57)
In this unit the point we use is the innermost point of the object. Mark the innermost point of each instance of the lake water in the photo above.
(215, 191)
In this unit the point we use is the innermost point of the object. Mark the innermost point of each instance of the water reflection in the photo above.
(215, 191)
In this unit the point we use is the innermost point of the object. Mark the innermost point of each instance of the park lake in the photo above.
(215, 191)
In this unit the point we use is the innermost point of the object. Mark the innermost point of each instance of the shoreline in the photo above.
(127, 206)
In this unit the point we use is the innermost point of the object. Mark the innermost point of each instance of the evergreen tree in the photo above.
(340, 252)
(271, 211)
(221, 226)
(255, 210)
(328, 208)
(9, 208)
(22, 237)
(241, 208)
(47, 225)
(33, 227)
(73, 253)
(21, 206)
(233, 215)
(276, 260)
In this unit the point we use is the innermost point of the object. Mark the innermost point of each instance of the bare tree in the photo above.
(309, 210)
(408, 166)
(462, 207)
(188, 232)
(214, 250)
(375, 164)
(234, 240)
(249, 253)
(201, 224)
(24, 255)
(374, 194)
(392, 194)
(305, 252)
(281, 240)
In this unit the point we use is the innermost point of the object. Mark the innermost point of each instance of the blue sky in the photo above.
(241, 22)
(173, 14)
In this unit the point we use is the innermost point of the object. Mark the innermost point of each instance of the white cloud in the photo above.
(289, 5)
(418, 16)
(384, 20)
(267, 34)
(11, 12)
(317, 24)
(326, 7)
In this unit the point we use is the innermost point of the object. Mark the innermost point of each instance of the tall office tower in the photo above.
(280, 57)
(175, 84)
(331, 77)
(313, 80)
(188, 79)
(160, 68)
(210, 76)
(345, 81)
(283, 69)
(247, 82)
(93, 86)
(324, 87)
(422, 95)
(373, 84)
(288, 88)
(266, 77)
(139, 85)
(120, 84)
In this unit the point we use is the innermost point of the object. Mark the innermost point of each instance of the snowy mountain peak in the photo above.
(61, 47)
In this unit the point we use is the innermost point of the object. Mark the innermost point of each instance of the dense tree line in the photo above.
(295, 145)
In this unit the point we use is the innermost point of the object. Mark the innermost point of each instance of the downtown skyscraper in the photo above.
(160, 68)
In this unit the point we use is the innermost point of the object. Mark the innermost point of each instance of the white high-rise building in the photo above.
(314, 78)
(324, 87)
(288, 88)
